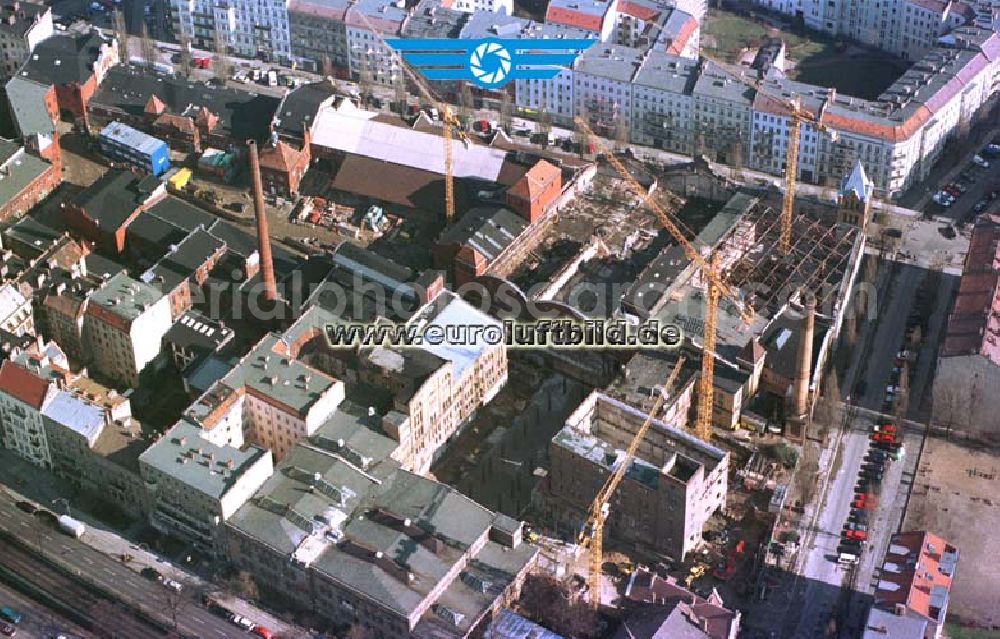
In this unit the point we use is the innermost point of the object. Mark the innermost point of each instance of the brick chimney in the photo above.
(801, 398)
(263, 239)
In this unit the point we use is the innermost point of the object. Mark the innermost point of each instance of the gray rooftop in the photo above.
(27, 103)
(613, 62)
(125, 297)
(198, 463)
(430, 20)
(20, 169)
(667, 72)
(77, 414)
(280, 377)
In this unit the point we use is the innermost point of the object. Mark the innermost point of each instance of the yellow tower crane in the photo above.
(592, 535)
(797, 116)
(715, 288)
(449, 122)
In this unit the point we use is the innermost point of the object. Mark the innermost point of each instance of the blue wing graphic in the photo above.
(489, 62)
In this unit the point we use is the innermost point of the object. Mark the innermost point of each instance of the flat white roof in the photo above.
(348, 129)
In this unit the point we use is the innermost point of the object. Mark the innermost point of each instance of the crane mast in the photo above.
(592, 535)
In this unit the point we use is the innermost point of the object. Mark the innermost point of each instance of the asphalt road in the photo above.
(95, 568)
(986, 180)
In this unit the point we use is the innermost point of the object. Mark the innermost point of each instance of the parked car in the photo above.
(151, 573)
(264, 632)
(953, 190)
(979, 161)
(8, 630)
(170, 583)
(10, 615)
(26, 506)
(943, 198)
(981, 206)
(243, 622)
(992, 195)
(990, 150)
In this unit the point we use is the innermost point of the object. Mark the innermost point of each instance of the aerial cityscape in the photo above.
(500, 319)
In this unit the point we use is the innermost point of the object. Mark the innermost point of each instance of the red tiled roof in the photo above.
(639, 11)
(535, 181)
(282, 157)
(179, 122)
(651, 588)
(23, 384)
(570, 18)
(155, 105)
(678, 42)
(908, 578)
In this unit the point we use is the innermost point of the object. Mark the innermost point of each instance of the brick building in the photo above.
(74, 64)
(282, 166)
(102, 211)
(184, 268)
(675, 483)
(471, 245)
(27, 179)
(532, 194)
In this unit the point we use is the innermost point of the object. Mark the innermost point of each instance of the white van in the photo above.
(272, 78)
(847, 559)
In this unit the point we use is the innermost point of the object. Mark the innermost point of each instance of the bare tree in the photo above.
(583, 137)
(220, 61)
(173, 602)
(185, 53)
(365, 78)
(327, 66)
(399, 86)
(506, 112)
(543, 126)
(147, 47)
(244, 585)
(121, 35)
(468, 104)
(622, 133)
(737, 159)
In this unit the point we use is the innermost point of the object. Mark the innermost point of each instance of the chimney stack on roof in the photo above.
(263, 240)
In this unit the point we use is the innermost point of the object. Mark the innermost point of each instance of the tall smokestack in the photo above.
(263, 239)
(805, 354)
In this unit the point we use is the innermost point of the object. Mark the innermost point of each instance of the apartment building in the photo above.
(16, 316)
(367, 22)
(23, 395)
(675, 483)
(914, 588)
(897, 137)
(123, 326)
(342, 531)
(94, 443)
(318, 30)
(22, 26)
(195, 485)
(248, 28)
(907, 28)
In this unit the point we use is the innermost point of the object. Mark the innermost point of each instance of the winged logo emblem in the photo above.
(490, 62)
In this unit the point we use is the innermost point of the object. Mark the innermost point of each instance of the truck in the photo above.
(70, 526)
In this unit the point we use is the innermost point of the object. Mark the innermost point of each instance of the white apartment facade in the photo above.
(194, 486)
(492, 6)
(16, 316)
(23, 396)
(249, 28)
(123, 328)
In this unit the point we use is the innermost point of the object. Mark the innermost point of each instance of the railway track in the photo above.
(25, 571)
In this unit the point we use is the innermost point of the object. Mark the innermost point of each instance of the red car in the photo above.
(856, 534)
(202, 63)
(883, 437)
(264, 632)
